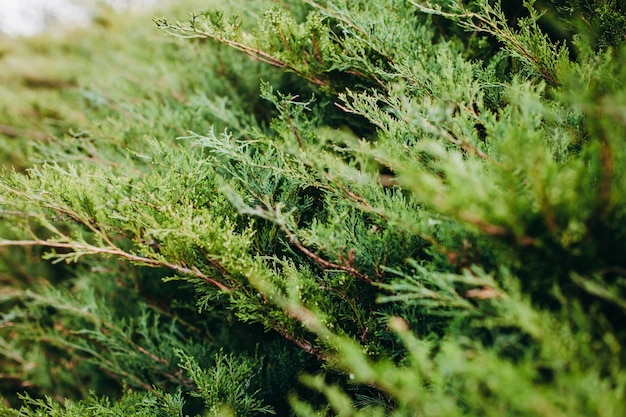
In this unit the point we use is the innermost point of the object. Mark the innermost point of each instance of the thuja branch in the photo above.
(364, 36)
(492, 21)
(81, 249)
(193, 31)
(347, 267)
(274, 215)
(302, 343)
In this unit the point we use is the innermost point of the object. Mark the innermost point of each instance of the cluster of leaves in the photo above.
(419, 211)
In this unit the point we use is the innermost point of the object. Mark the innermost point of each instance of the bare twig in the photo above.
(87, 249)
(348, 267)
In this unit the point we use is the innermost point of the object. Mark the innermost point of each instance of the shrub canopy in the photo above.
(351, 208)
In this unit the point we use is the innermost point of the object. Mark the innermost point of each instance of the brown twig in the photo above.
(115, 251)
(305, 345)
(324, 263)
(293, 127)
(255, 53)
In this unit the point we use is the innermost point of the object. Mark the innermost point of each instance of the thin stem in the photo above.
(86, 249)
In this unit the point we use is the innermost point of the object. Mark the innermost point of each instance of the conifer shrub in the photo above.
(354, 208)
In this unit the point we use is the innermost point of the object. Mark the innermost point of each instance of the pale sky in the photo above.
(27, 17)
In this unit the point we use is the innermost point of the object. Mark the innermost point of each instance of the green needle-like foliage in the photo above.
(316, 208)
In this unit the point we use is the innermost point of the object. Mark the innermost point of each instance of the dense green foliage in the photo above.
(352, 208)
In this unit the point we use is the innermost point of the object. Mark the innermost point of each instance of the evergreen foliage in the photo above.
(353, 208)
